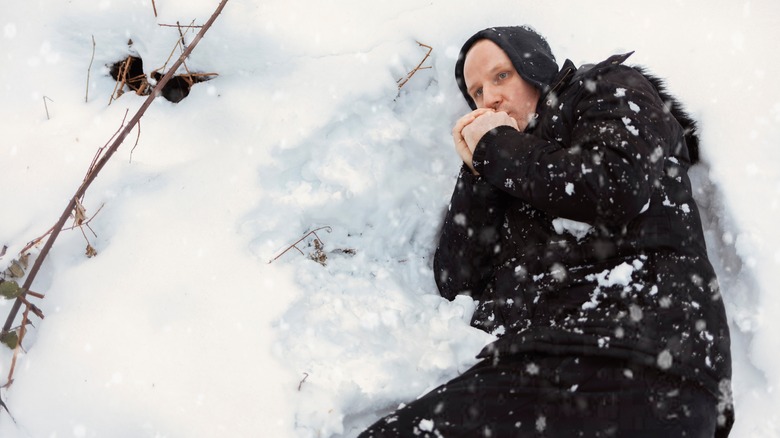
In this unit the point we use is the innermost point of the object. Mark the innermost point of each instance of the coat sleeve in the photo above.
(469, 240)
(604, 171)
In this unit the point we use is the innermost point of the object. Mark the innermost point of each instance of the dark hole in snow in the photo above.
(129, 72)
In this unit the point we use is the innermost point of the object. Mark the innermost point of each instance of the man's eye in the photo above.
(478, 93)
(503, 75)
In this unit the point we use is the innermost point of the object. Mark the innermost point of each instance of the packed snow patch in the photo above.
(575, 228)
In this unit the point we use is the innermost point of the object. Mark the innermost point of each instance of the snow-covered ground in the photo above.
(180, 327)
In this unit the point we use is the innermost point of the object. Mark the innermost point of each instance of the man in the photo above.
(573, 226)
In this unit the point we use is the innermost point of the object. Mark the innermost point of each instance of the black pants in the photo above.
(556, 396)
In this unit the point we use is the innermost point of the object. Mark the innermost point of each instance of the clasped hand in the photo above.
(470, 128)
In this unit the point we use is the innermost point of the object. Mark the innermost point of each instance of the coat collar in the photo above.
(569, 72)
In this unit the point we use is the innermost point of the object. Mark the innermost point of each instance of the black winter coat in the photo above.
(581, 235)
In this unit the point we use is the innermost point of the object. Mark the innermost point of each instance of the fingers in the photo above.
(465, 120)
(461, 147)
(463, 150)
(475, 130)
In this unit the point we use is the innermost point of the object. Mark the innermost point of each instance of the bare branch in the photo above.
(4, 406)
(87, 221)
(47, 106)
(181, 39)
(121, 79)
(102, 148)
(89, 69)
(305, 376)
(137, 137)
(36, 241)
(93, 171)
(179, 25)
(179, 42)
(404, 80)
(34, 294)
(312, 232)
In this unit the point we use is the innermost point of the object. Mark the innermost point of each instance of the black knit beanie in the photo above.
(529, 52)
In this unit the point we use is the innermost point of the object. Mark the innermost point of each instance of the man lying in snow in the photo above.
(573, 225)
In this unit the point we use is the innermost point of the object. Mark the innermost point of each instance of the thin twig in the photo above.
(155, 9)
(86, 223)
(314, 232)
(35, 241)
(89, 69)
(102, 148)
(34, 294)
(121, 79)
(198, 75)
(179, 25)
(22, 331)
(32, 308)
(94, 170)
(138, 137)
(4, 406)
(306, 376)
(46, 106)
(141, 90)
(91, 230)
(179, 41)
(404, 80)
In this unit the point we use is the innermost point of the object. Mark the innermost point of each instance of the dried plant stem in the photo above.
(179, 25)
(32, 308)
(89, 69)
(154, 7)
(22, 331)
(92, 173)
(141, 91)
(404, 80)
(36, 241)
(4, 406)
(200, 75)
(46, 106)
(102, 148)
(121, 79)
(34, 294)
(179, 42)
(305, 376)
(137, 137)
(294, 245)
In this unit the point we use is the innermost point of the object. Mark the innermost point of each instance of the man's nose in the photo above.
(491, 98)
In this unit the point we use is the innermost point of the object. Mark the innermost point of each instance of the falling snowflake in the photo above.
(664, 360)
(426, 425)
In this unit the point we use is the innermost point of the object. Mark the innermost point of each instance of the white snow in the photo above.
(180, 327)
(631, 128)
(575, 228)
(619, 275)
(664, 360)
(426, 425)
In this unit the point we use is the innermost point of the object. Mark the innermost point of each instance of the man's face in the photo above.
(493, 82)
